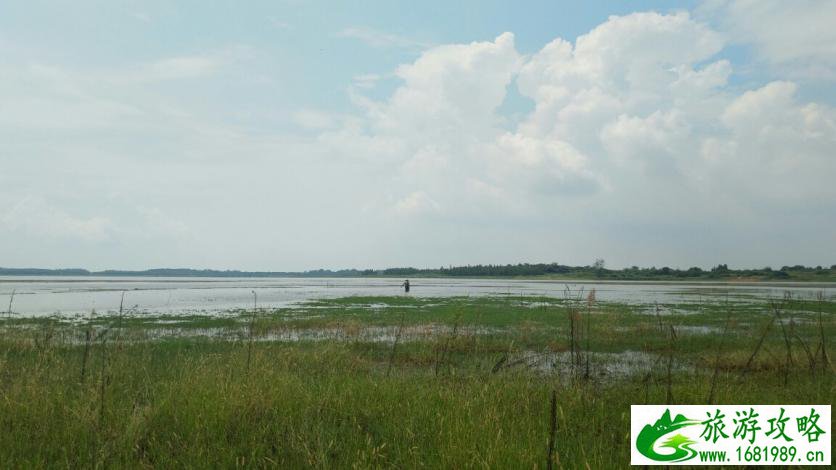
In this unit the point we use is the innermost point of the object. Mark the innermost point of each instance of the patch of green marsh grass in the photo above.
(177, 403)
(380, 311)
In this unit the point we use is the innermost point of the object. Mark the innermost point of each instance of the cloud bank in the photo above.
(633, 145)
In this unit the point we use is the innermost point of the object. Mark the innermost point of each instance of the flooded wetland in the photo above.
(353, 372)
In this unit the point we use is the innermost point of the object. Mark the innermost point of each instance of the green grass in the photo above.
(187, 401)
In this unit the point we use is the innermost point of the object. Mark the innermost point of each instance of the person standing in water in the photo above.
(406, 286)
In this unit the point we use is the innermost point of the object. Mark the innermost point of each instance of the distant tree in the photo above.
(693, 271)
(720, 269)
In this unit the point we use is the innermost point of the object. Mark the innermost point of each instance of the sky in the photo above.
(291, 135)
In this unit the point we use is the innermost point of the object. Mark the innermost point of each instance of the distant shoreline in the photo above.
(549, 272)
(126, 278)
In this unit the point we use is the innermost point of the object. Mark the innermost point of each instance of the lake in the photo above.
(72, 296)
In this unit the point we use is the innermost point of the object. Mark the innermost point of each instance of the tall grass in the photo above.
(179, 402)
(250, 332)
(395, 345)
(825, 361)
(671, 353)
(88, 340)
(716, 374)
(758, 347)
(552, 430)
(9, 311)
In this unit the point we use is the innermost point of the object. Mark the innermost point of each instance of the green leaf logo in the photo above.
(680, 444)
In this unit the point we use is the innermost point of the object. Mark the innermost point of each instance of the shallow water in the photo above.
(604, 366)
(68, 296)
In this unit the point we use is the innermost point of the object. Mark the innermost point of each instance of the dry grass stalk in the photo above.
(103, 382)
(88, 337)
(659, 317)
(758, 347)
(777, 310)
(11, 300)
(575, 327)
(590, 302)
(825, 361)
(250, 332)
(443, 356)
(811, 358)
(716, 373)
(669, 394)
(395, 344)
(552, 430)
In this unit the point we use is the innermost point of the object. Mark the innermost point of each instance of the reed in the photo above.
(572, 338)
(575, 328)
(659, 317)
(552, 431)
(590, 303)
(103, 380)
(716, 372)
(758, 346)
(395, 344)
(671, 346)
(120, 316)
(88, 337)
(9, 310)
(825, 361)
(776, 308)
(811, 358)
(443, 357)
(250, 332)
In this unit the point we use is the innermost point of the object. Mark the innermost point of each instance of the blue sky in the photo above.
(297, 135)
(310, 50)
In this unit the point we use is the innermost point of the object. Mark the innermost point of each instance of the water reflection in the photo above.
(38, 296)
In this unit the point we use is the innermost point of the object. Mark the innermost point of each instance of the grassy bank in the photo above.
(392, 382)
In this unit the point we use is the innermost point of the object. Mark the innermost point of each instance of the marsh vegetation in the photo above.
(499, 381)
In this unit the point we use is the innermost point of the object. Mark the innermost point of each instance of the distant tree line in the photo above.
(177, 272)
(595, 271)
